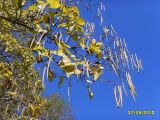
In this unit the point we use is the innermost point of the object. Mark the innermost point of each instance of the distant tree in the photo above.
(20, 87)
(57, 109)
(52, 35)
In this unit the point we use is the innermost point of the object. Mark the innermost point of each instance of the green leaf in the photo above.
(46, 18)
(20, 3)
(52, 14)
(75, 37)
(54, 3)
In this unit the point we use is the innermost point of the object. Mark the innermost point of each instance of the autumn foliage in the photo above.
(52, 35)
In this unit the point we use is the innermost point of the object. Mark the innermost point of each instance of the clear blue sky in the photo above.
(138, 21)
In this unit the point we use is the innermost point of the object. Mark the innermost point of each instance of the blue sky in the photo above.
(138, 21)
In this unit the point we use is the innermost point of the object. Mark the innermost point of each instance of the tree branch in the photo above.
(16, 22)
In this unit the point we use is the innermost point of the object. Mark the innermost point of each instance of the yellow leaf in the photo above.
(24, 12)
(96, 76)
(69, 68)
(41, 2)
(82, 43)
(80, 21)
(33, 7)
(62, 44)
(39, 48)
(54, 3)
(80, 28)
(12, 93)
(90, 93)
(99, 44)
(9, 72)
(64, 9)
(74, 9)
(62, 25)
(96, 48)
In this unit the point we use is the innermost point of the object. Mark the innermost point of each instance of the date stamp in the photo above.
(141, 112)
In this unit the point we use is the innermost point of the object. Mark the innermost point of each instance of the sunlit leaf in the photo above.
(80, 21)
(54, 3)
(96, 48)
(33, 7)
(41, 2)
